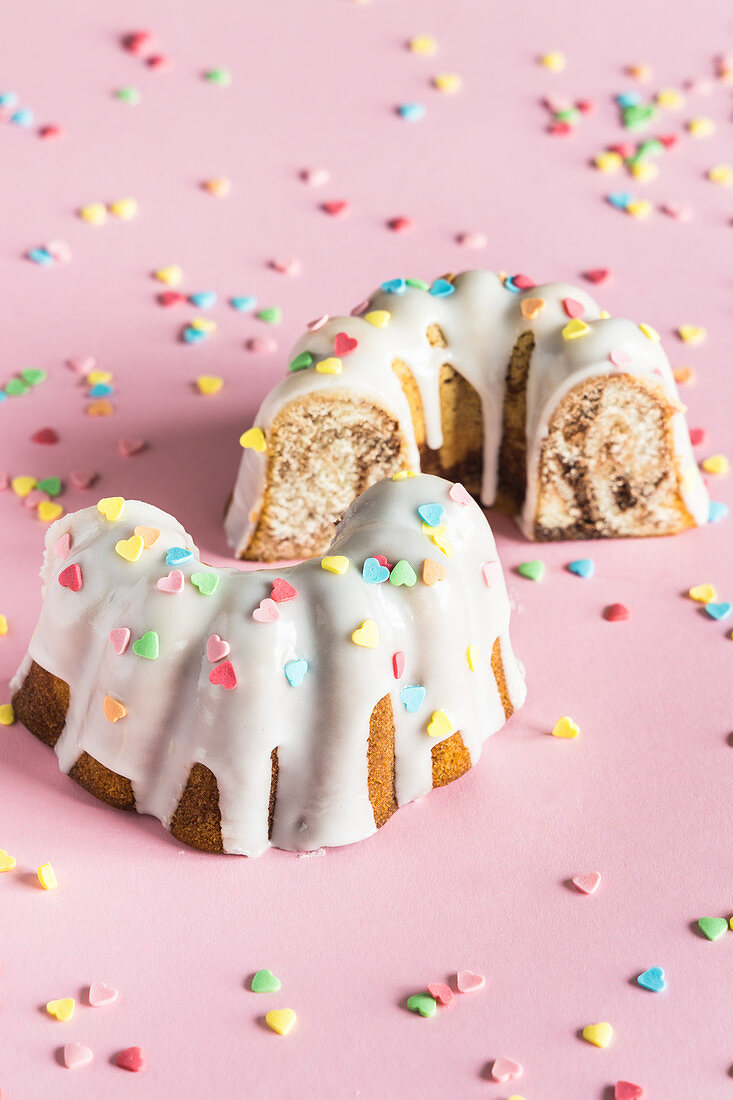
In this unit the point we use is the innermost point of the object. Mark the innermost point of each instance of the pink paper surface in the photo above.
(477, 875)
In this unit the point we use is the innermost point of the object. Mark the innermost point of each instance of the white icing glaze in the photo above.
(176, 717)
(481, 322)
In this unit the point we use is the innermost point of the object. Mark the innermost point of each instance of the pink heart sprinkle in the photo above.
(573, 307)
(131, 1059)
(625, 1090)
(459, 494)
(620, 359)
(472, 240)
(442, 993)
(616, 613)
(82, 479)
(361, 308)
(267, 612)
(401, 225)
(468, 982)
(129, 446)
(313, 326)
(263, 345)
(697, 436)
(597, 275)
(46, 436)
(119, 639)
(315, 177)
(173, 583)
(60, 251)
(76, 1055)
(337, 208)
(101, 994)
(224, 675)
(216, 648)
(382, 561)
(282, 592)
(398, 664)
(83, 365)
(343, 344)
(34, 498)
(677, 210)
(587, 883)
(71, 577)
(291, 266)
(491, 571)
(63, 546)
(506, 1069)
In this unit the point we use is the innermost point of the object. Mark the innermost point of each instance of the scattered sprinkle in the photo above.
(587, 883)
(653, 979)
(264, 981)
(616, 613)
(281, 1020)
(532, 570)
(599, 1035)
(565, 727)
(47, 878)
(62, 1009)
(423, 1004)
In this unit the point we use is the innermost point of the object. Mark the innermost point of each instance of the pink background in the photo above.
(476, 875)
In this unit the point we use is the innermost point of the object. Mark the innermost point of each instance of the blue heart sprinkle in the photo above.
(102, 389)
(22, 117)
(41, 256)
(203, 299)
(243, 302)
(8, 99)
(3, 395)
(718, 611)
(373, 572)
(193, 335)
(441, 288)
(411, 112)
(583, 567)
(628, 99)
(718, 511)
(394, 286)
(509, 284)
(653, 979)
(432, 514)
(412, 697)
(295, 672)
(178, 554)
(620, 199)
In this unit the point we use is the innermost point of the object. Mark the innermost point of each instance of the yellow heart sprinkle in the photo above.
(378, 317)
(604, 315)
(123, 208)
(599, 1035)
(336, 564)
(574, 329)
(95, 213)
(424, 44)
(111, 507)
(722, 174)
(281, 1020)
(691, 334)
(203, 324)
(22, 486)
(46, 876)
(716, 464)
(209, 383)
(113, 709)
(171, 276)
(255, 439)
(608, 161)
(98, 377)
(440, 724)
(332, 365)
(640, 208)
(3, 625)
(62, 1009)
(650, 333)
(670, 98)
(130, 549)
(403, 475)
(49, 510)
(472, 656)
(703, 593)
(554, 61)
(701, 127)
(644, 171)
(149, 535)
(532, 307)
(449, 83)
(7, 862)
(7, 714)
(366, 635)
(565, 727)
(439, 536)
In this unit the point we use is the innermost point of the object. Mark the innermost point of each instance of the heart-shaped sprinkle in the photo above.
(403, 574)
(653, 979)
(423, 1004)
(49, 510)
(573, 307)
(440, 725)
(626, 1090)
(698, 436)
(715, 464)
(22, 486)
(224, 675)
(335, 564)
(366, 635)
(582, 567)
(616, 613)
(295, 671)
(203, 299)
(216, 648)
(177, 555)
(76, 1055)
(63, 1009)
(34, 498)
(126, 209)
(315, 177)
(243, 302)
(472, 239)
(261, 345)
(506, 1069)
(205, 582)
(691, 334)
(101, 994)
(50, 485)
(491, 572)
(718, 611)
(62, 546)
(703, 593)
(469, 982)
(717, 511)
(432, 514)
(113, 709)
(432, 571)
(394, 286)
(532, 570)
(380, 318)
(271, 315)
(398, 665)
(130, 549)
(7, 714)
(111, 507)
(441, 288)
(170, 275)
(459, 494)
(119, 639)
(573, 330)
(565, 727)
(129, 446)
(173, 583)
(149, 535)
(336, 208)
(82, 479)
(343, 344)
(599, 1035)
(7, 862)
(46, 877)
(373, 572)
(100, 408)
(282, 592)
(597, 275)
(131, 1059)
(264, 981)
(301, 362)
(254, 439)
(331, 365)
(147, 646)
(587, 883)
(412, 697)
(71, 577)
(442, 993)
(713, 927)
(267, 612)
(170, 298)
(45, 436)
(620, 359)
(319, 322)
(281, 1020)
(650, 333)
(16, 387)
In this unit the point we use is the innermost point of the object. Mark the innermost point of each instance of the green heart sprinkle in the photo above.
(713, 927)
(422, 1003)
(205, 582)
(33, 376)
(148, 646)
(532, 570)
(271, 315)
(128, 95)
(265, 981)
(15, 387)
(218, 76)
(403, 573)
(305, 359)
(420, 284)
(50, 485)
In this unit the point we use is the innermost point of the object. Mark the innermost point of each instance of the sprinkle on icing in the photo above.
(335, 563)
(254, 438)
(440, 725)
(366, 635)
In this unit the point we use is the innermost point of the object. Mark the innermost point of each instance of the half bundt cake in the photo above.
(296, 708)
(530, 395)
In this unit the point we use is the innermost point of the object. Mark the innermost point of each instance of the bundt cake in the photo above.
(529, 395)
(296, 708)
